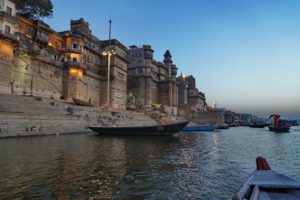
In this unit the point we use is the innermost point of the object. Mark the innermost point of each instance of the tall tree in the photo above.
(34, 9)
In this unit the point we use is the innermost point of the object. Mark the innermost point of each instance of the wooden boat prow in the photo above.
(266, 184)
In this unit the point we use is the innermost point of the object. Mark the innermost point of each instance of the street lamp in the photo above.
(108, 52)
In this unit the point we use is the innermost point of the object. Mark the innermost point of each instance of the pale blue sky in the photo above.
(244, 54)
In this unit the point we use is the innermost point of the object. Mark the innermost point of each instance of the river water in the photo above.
(210, 165)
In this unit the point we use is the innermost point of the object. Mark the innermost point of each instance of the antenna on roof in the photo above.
(109, 32)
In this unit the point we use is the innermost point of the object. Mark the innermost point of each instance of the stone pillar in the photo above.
(170, 94)
(174, 94)
(148, 91)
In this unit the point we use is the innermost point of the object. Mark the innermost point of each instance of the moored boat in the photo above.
(265, 183)
(207, 127)
(256, 125)
(155, 130)
(82, 103)
(279, 129)
(222, 126)
(278, 126)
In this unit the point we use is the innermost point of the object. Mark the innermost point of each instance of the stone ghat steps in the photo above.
(24, 115)
(41, 127)
(7, 98)
(33, 109)
(16, 122)
(30, 104)
(18, 116)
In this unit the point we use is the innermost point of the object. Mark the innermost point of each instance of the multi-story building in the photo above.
(82, 55)
(150, 81)
(38, 64)
(118, 74)
(188, 94)
(8, 40)
(36, 60)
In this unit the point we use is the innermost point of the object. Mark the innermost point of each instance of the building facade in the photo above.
(188, 94)
(36, 60)
(118, 75)
(8, 41)
(150, 81)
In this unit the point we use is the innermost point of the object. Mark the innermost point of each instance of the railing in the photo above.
(11, 17)
(73, 50)
(76, 64)
(9, 35)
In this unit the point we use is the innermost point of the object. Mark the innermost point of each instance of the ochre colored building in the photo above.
(36, 60)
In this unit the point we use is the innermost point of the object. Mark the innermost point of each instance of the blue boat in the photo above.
(207, 127)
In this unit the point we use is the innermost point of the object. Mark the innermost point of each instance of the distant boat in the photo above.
(279, 126)
(279, 129)
(265, 183)
(256, 125)
(207, 127)
(222, 126)
(155, 130)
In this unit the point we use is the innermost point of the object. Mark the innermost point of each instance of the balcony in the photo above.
(71, 63)
(73, 50)
(8, 36)
(11, 18)
(42, 38)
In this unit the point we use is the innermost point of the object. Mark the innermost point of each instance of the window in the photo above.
(75, 45)
(7, 29)
(120, 75)
(8, 10)
(74, 59)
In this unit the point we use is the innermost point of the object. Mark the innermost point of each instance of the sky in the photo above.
(244, 54)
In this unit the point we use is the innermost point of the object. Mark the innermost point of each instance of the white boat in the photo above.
(266, 184)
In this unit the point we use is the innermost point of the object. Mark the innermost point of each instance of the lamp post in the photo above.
(108, 52)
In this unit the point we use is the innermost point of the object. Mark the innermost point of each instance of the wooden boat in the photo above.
(81, 102)
(256, 125)
(279, 129)
(207, 127)
(279, 126)
(159, 130)
(222, 126)
(266, 184)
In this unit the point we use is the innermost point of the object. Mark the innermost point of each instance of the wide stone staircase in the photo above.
(29, 115)
(26, 115)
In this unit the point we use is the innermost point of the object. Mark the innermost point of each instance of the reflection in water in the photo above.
(186, 166)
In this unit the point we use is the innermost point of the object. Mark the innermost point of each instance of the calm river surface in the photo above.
(186, 166)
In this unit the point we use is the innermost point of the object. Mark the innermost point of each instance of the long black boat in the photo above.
(156, 130)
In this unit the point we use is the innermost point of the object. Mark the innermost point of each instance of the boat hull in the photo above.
(199, 128)
(264, 183)
(82, 103)
(157, 130)
(279, 129)
(257, 126)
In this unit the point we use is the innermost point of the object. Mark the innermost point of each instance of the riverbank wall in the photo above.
(210, 117)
